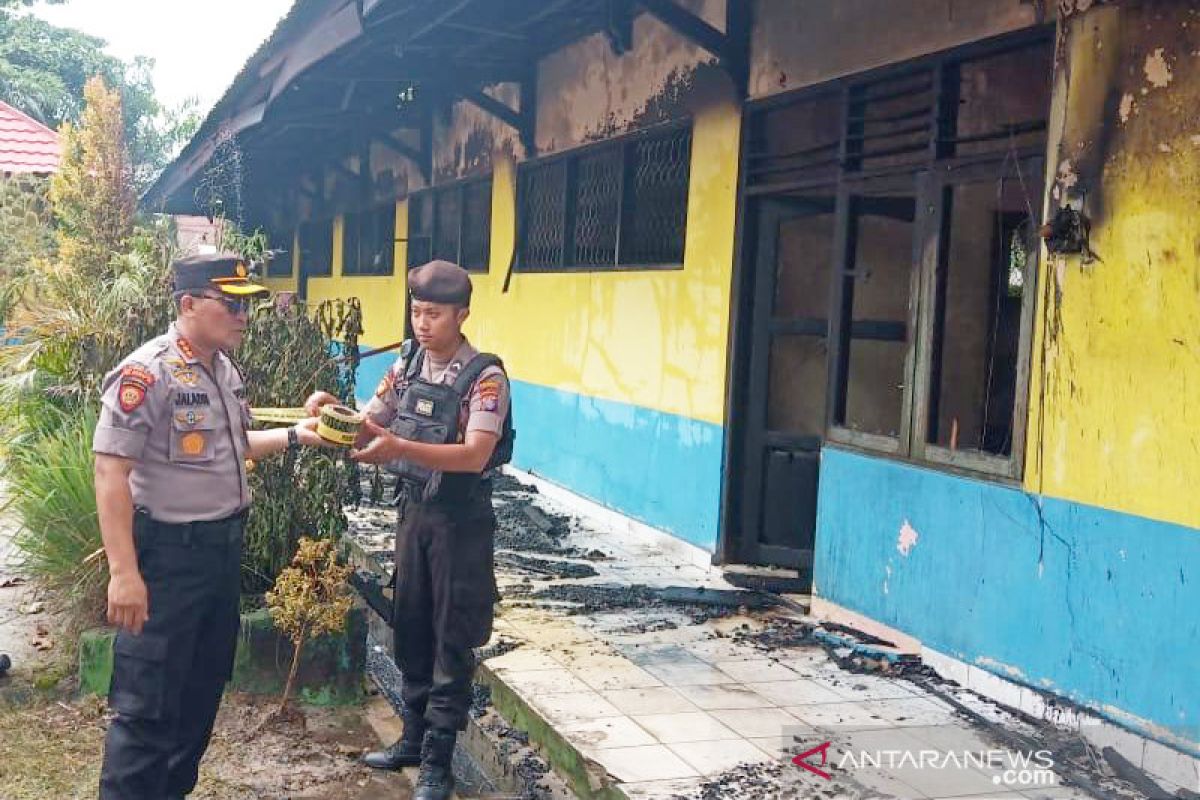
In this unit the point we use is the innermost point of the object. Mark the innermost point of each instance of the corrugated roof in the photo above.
(26, 145)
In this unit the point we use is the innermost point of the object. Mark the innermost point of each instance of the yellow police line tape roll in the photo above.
(337, 424)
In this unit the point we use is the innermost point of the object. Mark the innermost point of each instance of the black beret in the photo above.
(225, 272)
(440, 282)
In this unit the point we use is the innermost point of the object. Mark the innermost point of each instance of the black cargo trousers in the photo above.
(167, 682)
(445, 588)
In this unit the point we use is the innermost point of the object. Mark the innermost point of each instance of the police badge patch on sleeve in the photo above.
(385, 385)
(135, 382)
(489, 394)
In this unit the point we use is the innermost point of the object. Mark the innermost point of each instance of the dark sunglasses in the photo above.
(234, 305)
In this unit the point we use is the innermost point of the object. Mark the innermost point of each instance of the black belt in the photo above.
(213, 532)
(450, 492)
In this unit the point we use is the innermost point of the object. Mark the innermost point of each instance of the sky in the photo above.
(198, 48)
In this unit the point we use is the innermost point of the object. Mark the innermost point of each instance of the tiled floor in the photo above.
(668, 706)
(665, 714)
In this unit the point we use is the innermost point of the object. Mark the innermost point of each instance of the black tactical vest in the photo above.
(428, 412)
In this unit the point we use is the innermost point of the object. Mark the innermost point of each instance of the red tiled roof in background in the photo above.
(26, 145)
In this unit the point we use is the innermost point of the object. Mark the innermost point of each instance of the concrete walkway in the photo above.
(628, 660)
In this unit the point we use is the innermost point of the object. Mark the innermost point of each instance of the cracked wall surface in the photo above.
(1121, 362)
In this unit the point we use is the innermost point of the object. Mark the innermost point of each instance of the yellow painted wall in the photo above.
(655, 339)
(1121, 336)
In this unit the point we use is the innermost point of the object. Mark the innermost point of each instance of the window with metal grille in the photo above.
(316, 248)
(452, 222)
(656, 211)
(620, 204)
(543, 199)
(369, 241)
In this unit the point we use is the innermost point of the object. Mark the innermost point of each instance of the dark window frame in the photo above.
(569, 161)
(324, 238)
(423, 244)
(283, 265)
(927, 179)
(370, 229)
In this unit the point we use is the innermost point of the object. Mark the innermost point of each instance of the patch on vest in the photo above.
(424, 408)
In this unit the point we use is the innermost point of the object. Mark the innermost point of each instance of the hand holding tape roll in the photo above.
(339, 425)
(336, 424)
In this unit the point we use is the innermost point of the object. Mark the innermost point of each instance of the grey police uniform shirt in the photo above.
(184, 427)
(483, 408)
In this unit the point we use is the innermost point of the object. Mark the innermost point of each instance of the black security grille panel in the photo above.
(597, 208)
(543, 203)
(657, 213)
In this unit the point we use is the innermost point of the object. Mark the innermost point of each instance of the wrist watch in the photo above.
(293, 440)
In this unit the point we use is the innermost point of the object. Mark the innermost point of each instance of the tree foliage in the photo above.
(43, 72)
(26, 232)
(92, 191)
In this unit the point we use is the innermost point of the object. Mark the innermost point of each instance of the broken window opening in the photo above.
(877, 294)
(316, 248)
(369, 241)
(934, 254)
(452, 222)
(988, 244)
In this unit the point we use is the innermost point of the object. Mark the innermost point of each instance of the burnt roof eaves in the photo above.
(240, 101)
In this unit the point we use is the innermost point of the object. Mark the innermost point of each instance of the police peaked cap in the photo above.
(225, 272)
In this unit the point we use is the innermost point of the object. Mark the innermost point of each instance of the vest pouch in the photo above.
(428, 413)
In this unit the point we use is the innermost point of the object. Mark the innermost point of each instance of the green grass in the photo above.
(49, 475)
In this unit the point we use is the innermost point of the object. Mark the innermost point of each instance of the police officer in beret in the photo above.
(171, 447)
(440, 420)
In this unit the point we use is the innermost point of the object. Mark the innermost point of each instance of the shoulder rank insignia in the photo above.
(185, 347)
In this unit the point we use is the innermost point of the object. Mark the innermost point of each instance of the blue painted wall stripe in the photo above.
(370, 372)
(659, 468)
(1088, 603)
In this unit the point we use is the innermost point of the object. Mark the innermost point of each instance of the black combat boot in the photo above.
(437, 777)
(406, 751)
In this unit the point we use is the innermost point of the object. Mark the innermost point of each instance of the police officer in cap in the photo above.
(447, 406)
(171, 447)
